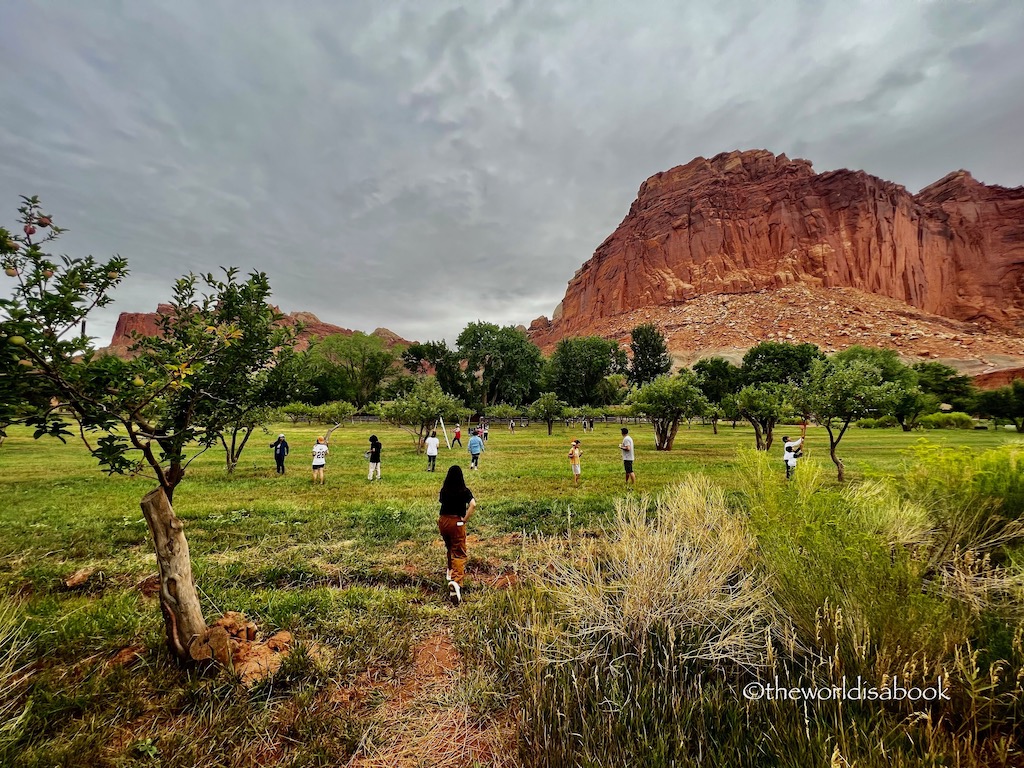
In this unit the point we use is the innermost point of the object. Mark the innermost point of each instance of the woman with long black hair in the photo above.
(457, 506)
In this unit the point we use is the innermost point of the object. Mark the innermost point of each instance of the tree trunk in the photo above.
(759, 440)
(670, 437)
(906, 426)
(550, 425)
(714, 426)
(837, 461)
(179, 602)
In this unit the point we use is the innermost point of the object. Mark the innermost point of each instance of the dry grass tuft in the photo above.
(682, 568)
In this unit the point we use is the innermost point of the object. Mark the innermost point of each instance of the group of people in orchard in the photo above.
(456, 500)
(475, 448)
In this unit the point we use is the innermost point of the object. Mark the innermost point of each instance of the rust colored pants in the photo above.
(453, 531)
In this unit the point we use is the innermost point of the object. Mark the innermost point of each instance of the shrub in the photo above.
(953, 420)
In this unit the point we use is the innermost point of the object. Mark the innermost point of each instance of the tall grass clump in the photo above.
(909, 580)
(635, 646)
(13, 677)
(628, 634)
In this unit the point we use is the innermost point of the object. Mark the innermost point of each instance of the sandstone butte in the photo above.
(749, 246)
(145, 324)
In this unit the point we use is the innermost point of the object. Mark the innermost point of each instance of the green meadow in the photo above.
(601, 626)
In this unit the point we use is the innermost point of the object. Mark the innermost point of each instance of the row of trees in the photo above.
(779, 380)
(489, 365)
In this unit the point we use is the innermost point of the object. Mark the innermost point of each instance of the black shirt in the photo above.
(375, 452)
(454, 504)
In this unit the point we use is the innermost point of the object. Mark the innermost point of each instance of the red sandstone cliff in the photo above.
(745, 222)
(145, 324)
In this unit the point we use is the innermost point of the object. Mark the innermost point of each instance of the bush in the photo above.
(883, 422)
(953, 420)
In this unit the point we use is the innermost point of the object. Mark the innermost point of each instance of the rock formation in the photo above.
(752, 223)
(145, 324)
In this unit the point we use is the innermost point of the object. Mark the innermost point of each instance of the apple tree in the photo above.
(762, 405)
(839, 391)
(548, 408)
(151, 414)
(666, 401)
(419, 411)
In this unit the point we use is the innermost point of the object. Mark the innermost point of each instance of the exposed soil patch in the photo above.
(127, 656)
(506, 581)
(414, 726)
(150, 586)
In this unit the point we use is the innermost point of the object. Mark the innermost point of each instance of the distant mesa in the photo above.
(747, 246)
(145, 324)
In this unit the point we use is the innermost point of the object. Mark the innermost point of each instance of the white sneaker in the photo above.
(454, 593)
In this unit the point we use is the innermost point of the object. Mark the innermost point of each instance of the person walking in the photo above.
(574, 460)
(320, 451)
(280, 447)
(457, 438)
(486, 430)
(512, 426)
(374, 456)
(628, 456)
(457, 506)
(432, 444)
(476, 447)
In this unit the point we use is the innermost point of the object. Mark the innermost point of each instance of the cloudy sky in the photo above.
(422, 164)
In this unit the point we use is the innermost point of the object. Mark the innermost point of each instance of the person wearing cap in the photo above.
(574, 460)
(280, 447)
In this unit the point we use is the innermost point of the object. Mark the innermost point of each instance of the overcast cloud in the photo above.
(419, 165)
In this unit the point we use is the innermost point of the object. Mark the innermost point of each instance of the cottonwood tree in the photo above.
(666, 401)
(502, 362)
(352, 368)
(443, 362)
(838, 392)
(718, 380)
(419, 411)
(579, 365)
(650, 355)
(911, 402)
(778, 362)
(141, 415)
(946, 384)
(1004, 403)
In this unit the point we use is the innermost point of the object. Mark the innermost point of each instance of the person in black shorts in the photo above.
(626, 446)
(457, 506)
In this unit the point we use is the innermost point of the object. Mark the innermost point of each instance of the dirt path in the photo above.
(424, 720)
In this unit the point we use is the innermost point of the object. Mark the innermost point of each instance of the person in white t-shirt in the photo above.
(793, 450)
(432, 444)
(628, 456)
(320, 452)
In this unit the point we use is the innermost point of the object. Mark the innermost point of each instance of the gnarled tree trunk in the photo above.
(179, 601)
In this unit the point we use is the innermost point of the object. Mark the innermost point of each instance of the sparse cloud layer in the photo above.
(419, 165)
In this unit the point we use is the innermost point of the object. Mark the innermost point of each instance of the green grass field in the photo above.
(353, 569)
